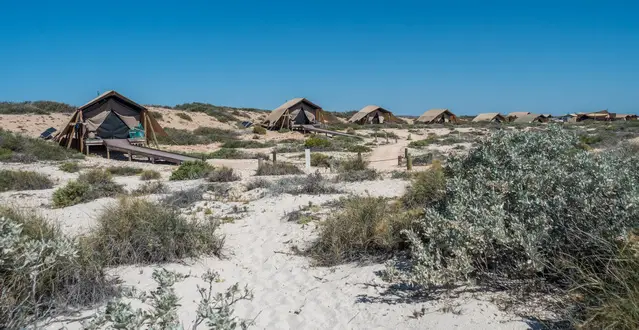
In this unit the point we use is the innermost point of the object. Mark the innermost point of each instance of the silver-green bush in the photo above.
(516, 202)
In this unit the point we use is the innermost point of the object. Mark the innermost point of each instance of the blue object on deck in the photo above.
(247, 124)
(136, 132)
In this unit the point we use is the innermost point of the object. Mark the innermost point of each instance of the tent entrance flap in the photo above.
(113, 128)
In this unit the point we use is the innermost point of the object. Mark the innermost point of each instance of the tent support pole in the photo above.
(81, 133)
(73, 130)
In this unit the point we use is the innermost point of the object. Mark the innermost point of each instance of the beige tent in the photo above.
(493, 117)
(514, 115)
(109, 116)
(625, 117)
(298, 111)
(530, 118)
(437, 116)
(373, 114)
(602, 115)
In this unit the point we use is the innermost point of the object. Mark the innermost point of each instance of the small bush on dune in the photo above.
(158, 116)
(259, 130)
(150, 175)
(149, 188)
(278, 168)
(258, 183)
(23, 180)
(89, 186)
(138, 231)
(124, 170)
(320, 160)
(192, 170)
(184, 116)
(418, 144)
(184, 198)
(364, 227)
(248, 144)
(426, 188)
(355, 169)
(231, 153)
(317, 143)
(69, 167)
(358, 148)
(43, 273)
(312, 184)
(223, 174)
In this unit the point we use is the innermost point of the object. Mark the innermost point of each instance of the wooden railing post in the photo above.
(274, 156)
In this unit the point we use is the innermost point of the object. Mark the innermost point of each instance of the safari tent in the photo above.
(109, 116)
(625, 117)
(373, 114)
(296, 112)
(492, 117)
(602, 115)
(514, 115)
(530, 118)
(437, 116)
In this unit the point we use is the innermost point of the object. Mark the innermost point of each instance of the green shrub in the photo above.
(590, 139)
(184, 116)
(384, 134)
(426, 188)
(150, 175)
(192, 170)
(70, 167)
(518, 203)
(124, 170)
(257, 129)
(368, 174)
(364, 227)
(317, 143)
(278, 168)
(44, 274)
(89, 186)
(284, 130)
(23, 180)
(35, 107)
(223, 174)
(353, 164)
(246, 144)
(23, 149)
(320, 160)
(258, 183)
(136, 231)
(222, 114)
(201, 135)
(419, 144)
(158, 116)
(358, 148)
(404, 175)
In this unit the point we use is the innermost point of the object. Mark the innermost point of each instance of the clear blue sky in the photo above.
(469, 56)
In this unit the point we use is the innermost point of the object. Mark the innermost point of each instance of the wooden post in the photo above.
(73, 130)
(406, 153)
(130, 158)
(399, 160)
(386, 136)
(409, 163)
(87, 150)
(259, 163)
(108, 153)
(81, 133)
(359, 156)
(274, 156)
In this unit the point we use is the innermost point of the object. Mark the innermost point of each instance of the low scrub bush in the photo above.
(192, 170)
(35, 107)
(247, 144)
(89, 186)
(149, 188)
(258, 183)
(230, 153)
(134, 231)
(23, 180)
(278, 168)
(69, 167)
(257, 129)
(222, 114)
(520, 202)
(404, 175)
(223, 174)
(201, 135)
(364, 227)
(353, 164)
(355, 169)
(384, 134)
(358, 148)
(426, 188)
(124, 170)
(184, 198)
(317, 143)
(150, 175)
(184, 116)
(313, 184)
(43, 273)
(320, 160)
(419, 144)
(158, 116)
(22, 149)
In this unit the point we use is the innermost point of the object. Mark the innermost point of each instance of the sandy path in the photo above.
(292, 294)
(384, 157)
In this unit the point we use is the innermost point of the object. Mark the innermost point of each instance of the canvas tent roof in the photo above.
(276, 114)
(527, 118)
(433, 114)
(489, 117)
(518, 113)
(369, 109)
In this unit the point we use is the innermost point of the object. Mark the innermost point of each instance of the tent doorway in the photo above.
(113, 127)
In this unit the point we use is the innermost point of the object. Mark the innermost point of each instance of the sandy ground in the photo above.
(289, 292)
